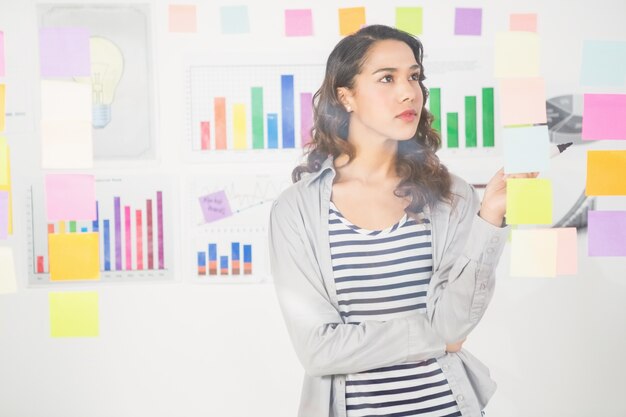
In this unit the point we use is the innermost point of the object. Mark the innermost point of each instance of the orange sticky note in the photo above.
(74, 314)
(351, 19)
(528, 201)
(74, 256)
(606, 173)
(522, 101)
(533, 253)
(182, 18)
(524, 22)
(567, 251)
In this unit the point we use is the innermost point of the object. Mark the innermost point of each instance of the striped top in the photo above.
(382, 275)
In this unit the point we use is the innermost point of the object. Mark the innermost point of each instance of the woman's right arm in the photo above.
(323, 343)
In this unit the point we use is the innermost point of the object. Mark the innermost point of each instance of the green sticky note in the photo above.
(409, 19)
(528, 201)
(74, 314)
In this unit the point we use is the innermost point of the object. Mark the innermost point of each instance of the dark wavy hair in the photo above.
(424, 178)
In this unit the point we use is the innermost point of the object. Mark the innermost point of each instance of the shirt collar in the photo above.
(326, 166)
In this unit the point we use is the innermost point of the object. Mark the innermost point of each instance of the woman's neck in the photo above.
(373, 163)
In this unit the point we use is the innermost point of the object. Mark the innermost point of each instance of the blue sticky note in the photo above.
(234, 19)
(603, 63)
(526, 149)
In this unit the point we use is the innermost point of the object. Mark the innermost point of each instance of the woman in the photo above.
(377, 277)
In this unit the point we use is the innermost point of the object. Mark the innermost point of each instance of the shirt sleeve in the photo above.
(323, 343)
(463, 284)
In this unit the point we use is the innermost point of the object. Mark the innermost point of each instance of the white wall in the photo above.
(555, 346)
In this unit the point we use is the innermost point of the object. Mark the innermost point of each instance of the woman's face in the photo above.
(386, 100)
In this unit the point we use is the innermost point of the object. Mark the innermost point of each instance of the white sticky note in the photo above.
(65, 100)
(517, 54)
(66, 144)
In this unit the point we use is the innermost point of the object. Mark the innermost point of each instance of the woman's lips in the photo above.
(407, 116)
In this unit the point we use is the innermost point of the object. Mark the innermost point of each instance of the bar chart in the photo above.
(132, 224)
(244, 108)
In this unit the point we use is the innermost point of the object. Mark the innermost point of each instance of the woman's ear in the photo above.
(345, 98)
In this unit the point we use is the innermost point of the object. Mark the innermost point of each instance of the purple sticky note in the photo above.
(468, 21)
(4, 214)
(607, 233)
(70, 197)
(604, 116)
(2, 54)
(64, 52)
(298, 22)
(215, 206)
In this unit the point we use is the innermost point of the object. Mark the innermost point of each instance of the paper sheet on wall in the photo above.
(604, 116)
(351, 19)
(606, 233)
(182, 18)
(526, 149)
(533, 253)
(522, 101)
(70, 197)
(517, 54)
(606, 173)
(74, 256)
(74, 314)
(298, 22)
(528, 201)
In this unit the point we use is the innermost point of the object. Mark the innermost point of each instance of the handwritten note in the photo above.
(522, 101)
(603, 63)
(64, 52)
(604, 116)
(410, 19)
(8, 283)
(526, 149)
(517, 54)
(528, 201)
(351, 19)
(525, 22)
(182, 18)
(74, 314)
(234, 19)
(606, 173)
(298, 22)
(606, 233)
(468, 21)
(533, 253)
(70, 197)
(74, 256)
(215, 206)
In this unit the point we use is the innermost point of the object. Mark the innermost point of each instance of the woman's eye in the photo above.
(415, 77)
(387, 79)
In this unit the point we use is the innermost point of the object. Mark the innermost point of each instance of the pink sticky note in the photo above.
(2, 54)
(523, 22)
(4, 214)
(522, 101)
(182, 18)
(298, 22)
(64, 52)
(468, 21)
(566, 251)
(215, 206)
(604, 116)
(70, 197)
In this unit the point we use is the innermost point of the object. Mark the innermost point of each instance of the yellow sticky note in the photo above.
(517, 54)
(409, 19)
(528, 201)
(74, 256)
(2, 106)
(351, 19)
(606, 173)
(533, 253)
(4, 163)
(8, 283)
(74, 314)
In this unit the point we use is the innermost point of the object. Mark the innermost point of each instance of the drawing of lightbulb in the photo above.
(107, 65)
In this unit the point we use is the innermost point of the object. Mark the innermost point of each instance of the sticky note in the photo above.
(234, 19)
(8, 283)
(604, 116)
(4, 163)
(351, 19)
(528, 201)
(606, 234)
(182, 18)
(65, 100)
(4, 214)
(526, 149)
(74, 314)
(2, 106)
(517, 54)
(74, 256)
(522, 101)
(533, 253)
(468, 21)
(410, 19)
(64, 52)
(70, 197)
(298, 22)
(215, 206)
(2, 67)
(606, 173)
(603, 63)
(524, 22)
(66, 144)
(567, 251)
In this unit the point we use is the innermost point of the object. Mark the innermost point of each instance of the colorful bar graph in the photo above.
(239, 121)
(219, 112)
(471, 130)
(452, 127)
(127, 239)
(223, 265)
(212, 259)
(272, 131)
(488, 118)
(435, 107)
(118, 234)
(106, 242)
(139, 239)
(247, 259)
(288, 111)
(160, 230)
(306, 117)
(150, 234)
(235, 257)
(258, 139)
(235, 266)
(201, 263)
(205, 135)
